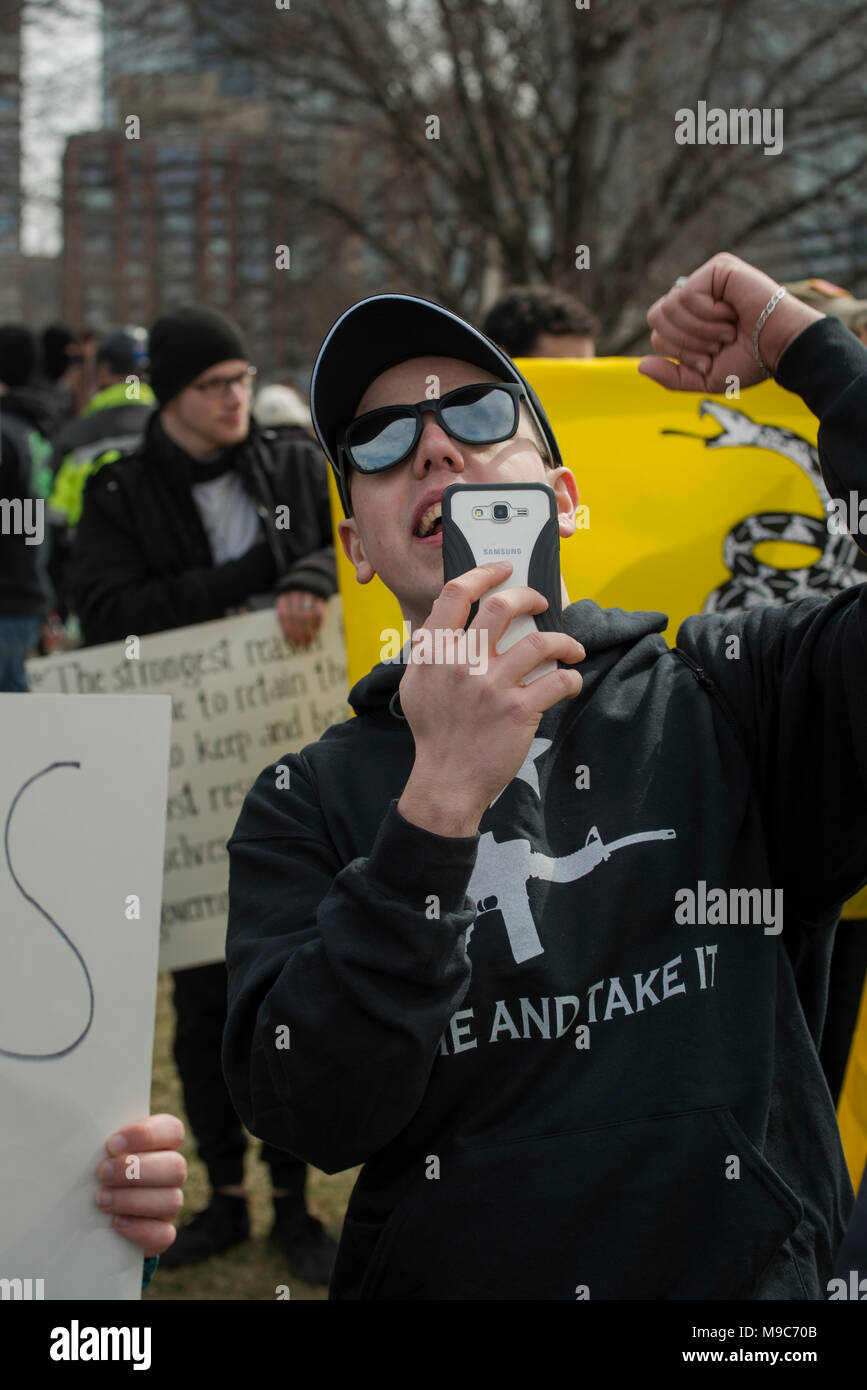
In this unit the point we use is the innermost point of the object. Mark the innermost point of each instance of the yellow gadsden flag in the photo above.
(695, 503)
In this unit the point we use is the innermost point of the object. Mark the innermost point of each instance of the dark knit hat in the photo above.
(186, 343)
(17, 354)
(59, 350)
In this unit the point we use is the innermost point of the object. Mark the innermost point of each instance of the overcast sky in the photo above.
(61, 72)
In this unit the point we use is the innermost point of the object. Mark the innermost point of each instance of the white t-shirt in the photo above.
(231, 522)
(229, 516)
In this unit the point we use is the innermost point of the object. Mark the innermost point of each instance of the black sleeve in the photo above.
(342, 980)
(115, 593)
(796, 678)
(304, 481)
(315, 574)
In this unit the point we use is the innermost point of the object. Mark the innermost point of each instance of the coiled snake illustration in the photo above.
(840, 565)
(64, 1051)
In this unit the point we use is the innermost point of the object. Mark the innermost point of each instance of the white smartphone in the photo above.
(515, 522)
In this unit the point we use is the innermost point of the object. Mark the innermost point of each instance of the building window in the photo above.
(255, 224)
(171, 179)
(176, 197)
(97, 198)
(178, 222)
(255, 270)
(177, 154)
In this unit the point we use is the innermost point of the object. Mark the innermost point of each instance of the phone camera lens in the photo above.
(501, 511)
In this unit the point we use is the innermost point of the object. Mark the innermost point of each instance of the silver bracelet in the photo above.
(760, 323)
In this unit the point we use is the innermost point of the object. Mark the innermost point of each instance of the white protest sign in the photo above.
(82, 806)
(241, 698)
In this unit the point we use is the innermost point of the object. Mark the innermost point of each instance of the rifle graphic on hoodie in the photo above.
(503, 869)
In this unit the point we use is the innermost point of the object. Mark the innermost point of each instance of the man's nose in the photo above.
(235, 393)
(436, 448)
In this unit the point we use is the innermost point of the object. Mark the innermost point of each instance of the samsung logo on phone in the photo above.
(501, 550)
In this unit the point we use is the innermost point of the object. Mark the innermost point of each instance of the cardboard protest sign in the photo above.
(241, 697)
(82, 801)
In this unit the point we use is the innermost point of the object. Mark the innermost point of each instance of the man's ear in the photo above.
(562, 480)
(353, 548)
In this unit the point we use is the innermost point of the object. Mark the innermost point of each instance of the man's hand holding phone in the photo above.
(473, 729)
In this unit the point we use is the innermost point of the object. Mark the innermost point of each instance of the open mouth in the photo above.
(430, 523)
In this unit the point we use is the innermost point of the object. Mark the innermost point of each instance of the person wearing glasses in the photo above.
(181, 531)
(186, 531)
(627, 1101)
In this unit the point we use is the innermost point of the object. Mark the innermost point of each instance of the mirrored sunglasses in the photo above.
(482, 414)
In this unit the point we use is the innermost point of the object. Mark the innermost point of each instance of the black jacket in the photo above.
(24, 587)
(142, 561)
(559, 1084)
(33, 407)
(48, 403)
(119, 427)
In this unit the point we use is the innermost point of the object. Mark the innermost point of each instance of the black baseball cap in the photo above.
(381, 332)
(123, 351)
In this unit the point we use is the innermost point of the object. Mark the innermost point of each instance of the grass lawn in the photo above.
(250, 1271)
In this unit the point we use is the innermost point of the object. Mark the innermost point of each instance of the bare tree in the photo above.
(496, 138)
(462, 144)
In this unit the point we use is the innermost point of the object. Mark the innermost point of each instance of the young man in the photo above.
(568, 1026)
(185, 530)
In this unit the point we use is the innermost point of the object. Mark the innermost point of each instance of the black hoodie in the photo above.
(558, 1084)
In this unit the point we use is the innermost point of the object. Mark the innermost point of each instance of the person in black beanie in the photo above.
(181, 531)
